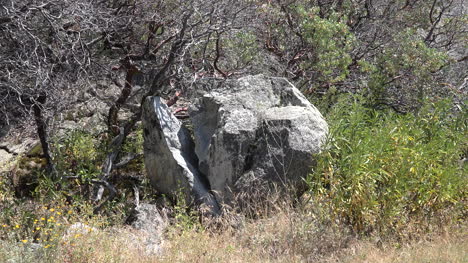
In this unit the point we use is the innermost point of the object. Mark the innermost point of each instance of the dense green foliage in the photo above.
(383, 171)
(332, 42)
(390, 51)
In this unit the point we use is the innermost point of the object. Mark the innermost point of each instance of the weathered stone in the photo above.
(255, 131)
(11, 149)
(19, 147)
(169, 156)
(150, 222)
(5, 158)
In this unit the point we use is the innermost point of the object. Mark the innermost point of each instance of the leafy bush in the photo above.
(78, 154)
(383, 171)
(331, 40)
(402, 74)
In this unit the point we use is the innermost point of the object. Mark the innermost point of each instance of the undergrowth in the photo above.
(386, 172)
(37, 213)
(383, 176)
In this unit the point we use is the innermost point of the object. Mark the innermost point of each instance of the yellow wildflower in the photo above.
(24, 241)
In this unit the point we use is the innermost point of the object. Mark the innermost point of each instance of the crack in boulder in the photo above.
(249, 133)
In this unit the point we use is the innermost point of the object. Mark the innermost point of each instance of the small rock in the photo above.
(150, 223)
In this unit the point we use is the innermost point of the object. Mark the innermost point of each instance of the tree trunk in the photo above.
(42, 132)
(112, 119)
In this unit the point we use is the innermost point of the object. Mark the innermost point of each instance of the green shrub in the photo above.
(407, 64)
(383, 171)
(331, 40)
(78, 154)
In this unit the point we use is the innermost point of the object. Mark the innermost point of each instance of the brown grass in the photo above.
(281, 238)
(287, 236)
(451, 247)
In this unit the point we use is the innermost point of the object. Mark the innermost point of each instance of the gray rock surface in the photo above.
(169, 156)
(5, 157)
(11, 148)
(150, 224)
(252, 135)
(253, 132)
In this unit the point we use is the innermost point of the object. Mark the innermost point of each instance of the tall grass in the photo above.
(385, 172)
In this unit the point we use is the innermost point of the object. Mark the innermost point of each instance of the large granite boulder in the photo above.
(251, 136)
(170, 161)
(256, 133)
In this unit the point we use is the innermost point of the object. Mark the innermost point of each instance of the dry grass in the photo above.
(101, 247)
(285, 237)
(445, 248)
(289, 235)
(257, 241)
